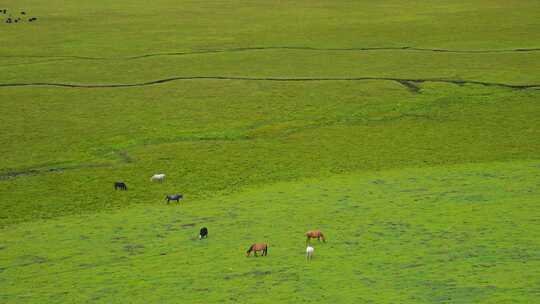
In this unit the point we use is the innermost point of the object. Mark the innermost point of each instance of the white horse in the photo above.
(158, 178)
(309, 252)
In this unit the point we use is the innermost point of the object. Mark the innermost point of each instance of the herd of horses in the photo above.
(203, 232)
(312, 234)
(160, 178)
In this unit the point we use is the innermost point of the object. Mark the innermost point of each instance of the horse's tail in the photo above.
(250, 249)
(266, 250)
(323, 238)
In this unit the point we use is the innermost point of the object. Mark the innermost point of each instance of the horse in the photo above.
(258, 247)
(203, 233)
(158, 178)
(175, 197)
(120, 185)
(309, 252)
(315, 234)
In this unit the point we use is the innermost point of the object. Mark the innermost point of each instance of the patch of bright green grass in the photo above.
(455, 234)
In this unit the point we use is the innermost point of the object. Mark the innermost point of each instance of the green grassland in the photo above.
(457, 234)
(408, 132)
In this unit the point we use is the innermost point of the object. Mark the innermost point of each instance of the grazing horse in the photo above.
(158, 178)
(175, 197)
(203, 233)
(309, 252)
(315, 234)
(258, 247)
(120, 185)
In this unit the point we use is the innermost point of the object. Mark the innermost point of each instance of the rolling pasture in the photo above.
(407, 132)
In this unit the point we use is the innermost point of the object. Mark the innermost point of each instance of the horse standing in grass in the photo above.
(258, 247)
(176, 197)
(158, 178)
(315, 234)
(120, 185)
(203, 233)
(309, 252)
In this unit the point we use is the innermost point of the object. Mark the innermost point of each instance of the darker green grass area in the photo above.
(210, 137)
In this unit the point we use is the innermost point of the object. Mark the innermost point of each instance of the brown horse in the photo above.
(315, 234)
(258, 247)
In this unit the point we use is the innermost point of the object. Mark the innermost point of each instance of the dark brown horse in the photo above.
(315, 234)
(258, 247)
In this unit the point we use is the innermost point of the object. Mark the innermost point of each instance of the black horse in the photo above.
(120, 185)
(203, 233)
(176, 197)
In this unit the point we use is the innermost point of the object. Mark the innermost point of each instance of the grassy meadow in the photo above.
(407, 132)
